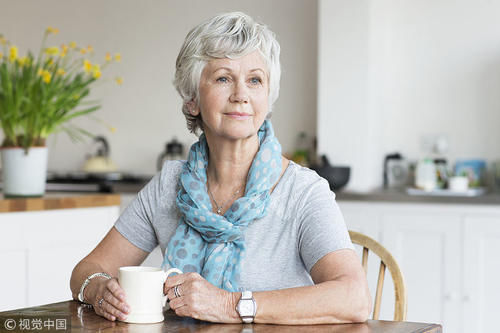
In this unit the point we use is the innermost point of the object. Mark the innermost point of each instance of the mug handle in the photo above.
(166, 275)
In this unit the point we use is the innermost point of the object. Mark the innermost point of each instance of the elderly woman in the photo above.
(244, 224)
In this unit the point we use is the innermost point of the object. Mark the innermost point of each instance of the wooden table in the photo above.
(84, 319)
(58, 201)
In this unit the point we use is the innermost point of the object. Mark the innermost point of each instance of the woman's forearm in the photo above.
(339, 301)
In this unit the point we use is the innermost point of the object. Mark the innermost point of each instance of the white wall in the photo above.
(146, 108)
(392, 73)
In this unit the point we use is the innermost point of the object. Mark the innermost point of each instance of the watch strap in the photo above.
(246, 294)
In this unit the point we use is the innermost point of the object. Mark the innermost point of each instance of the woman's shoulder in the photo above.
(168, 176)
(172, 168)
(302, 178)
(302, 185)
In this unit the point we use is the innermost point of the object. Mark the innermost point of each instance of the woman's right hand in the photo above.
(108, 299)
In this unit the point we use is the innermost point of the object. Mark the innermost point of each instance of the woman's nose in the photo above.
(240, 93)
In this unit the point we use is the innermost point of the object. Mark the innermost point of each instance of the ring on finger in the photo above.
(100, 302)
(176, 291)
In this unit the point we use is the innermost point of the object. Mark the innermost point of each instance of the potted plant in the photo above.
(40, 95)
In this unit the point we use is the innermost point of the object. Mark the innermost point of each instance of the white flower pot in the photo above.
(24, 175)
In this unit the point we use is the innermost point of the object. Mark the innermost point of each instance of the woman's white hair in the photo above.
(230, 35)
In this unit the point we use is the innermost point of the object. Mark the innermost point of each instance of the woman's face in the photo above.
(234, 96)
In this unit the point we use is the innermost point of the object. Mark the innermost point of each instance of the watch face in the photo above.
(246, 307)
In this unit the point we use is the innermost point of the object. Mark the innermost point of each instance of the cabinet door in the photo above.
(481, 273)
(41, 248)
(361, 217)
(58, 240)
(13, 291)
(427, 249)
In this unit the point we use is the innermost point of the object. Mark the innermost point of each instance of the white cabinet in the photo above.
(38, 251)
(426, 247)
(481, 272)
(448, 256)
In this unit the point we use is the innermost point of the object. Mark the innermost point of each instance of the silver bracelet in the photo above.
(87, 281)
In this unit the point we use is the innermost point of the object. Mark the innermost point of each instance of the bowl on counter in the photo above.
(337, 176)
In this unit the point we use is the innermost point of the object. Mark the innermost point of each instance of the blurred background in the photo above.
(146, 109)
(362, 79)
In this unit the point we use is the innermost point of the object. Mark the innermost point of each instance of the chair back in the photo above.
(386, 260)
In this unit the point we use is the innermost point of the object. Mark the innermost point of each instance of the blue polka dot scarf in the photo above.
(211, 244)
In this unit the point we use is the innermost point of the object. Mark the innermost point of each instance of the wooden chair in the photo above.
(386, 260)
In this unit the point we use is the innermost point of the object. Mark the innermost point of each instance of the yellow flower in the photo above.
(61, 72)
(64, 50)
(12, 53)
(90, 48)
(3, 41)
(22, 61)
(72, 45)
(112, 129)
(87, 66)
(1, 55)
(83, 51)
(52, 51)
(96, 69)
(119, 81)
(108, 57)
(51, 30)
(51, 62)
(118, 57)
(76, 97)
(46, 76)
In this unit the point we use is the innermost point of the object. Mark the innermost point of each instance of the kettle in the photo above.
(174, 150)
(100, 162)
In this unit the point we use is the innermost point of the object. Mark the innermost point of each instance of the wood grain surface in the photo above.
(83, 318)
(59, 201)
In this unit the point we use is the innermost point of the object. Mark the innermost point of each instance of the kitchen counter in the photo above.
(400, 196)
(56, 200)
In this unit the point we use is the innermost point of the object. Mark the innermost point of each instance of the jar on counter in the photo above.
(441, 172)
(425, 175)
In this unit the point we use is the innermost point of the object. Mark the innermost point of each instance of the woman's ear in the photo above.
(193, 109)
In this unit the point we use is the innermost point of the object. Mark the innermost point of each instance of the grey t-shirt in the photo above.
(302, 225)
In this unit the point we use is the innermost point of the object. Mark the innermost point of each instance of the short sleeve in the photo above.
(135, 223)
(321, 225)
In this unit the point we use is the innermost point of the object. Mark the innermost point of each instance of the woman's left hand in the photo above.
(200, 299)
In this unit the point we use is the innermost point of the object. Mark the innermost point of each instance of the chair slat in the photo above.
(369, 245)
(365, 259)
(378, 295)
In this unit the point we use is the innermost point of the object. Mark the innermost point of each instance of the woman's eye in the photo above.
(222, 79)
(255, 80)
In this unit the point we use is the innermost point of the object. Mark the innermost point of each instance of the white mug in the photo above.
(143, 287)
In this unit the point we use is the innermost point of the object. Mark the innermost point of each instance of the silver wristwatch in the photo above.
(247, 307)
(87, 281)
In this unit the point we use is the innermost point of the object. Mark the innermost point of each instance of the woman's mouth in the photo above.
(238, 115)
